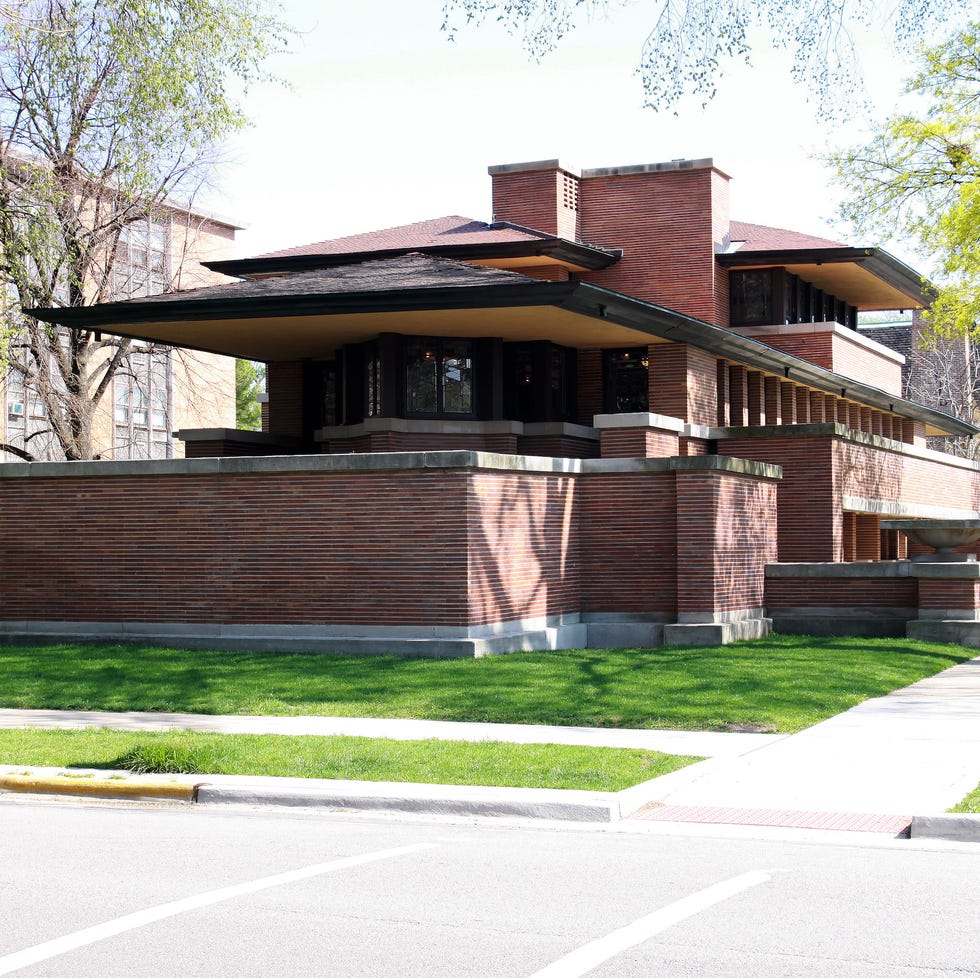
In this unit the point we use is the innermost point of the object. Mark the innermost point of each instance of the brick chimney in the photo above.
(669, 219)
(541, 195)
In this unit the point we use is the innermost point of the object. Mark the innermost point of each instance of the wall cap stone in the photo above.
(235, 434)
(855, 569)
(419, 426)
(385, 461)
(639, 419)
(881, 507)
(967, 570)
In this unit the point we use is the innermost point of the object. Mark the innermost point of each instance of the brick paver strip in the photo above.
(840, 821)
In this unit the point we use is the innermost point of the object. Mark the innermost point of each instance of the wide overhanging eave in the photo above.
(545, 251)
(910, 288)
(593, 302)
(725, 343)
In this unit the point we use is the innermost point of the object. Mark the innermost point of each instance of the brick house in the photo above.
(595, 420)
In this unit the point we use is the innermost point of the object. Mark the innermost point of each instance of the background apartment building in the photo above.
(156, 389)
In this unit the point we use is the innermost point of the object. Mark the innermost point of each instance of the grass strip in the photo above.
(970, 805)
(781, 683)
(353, 758)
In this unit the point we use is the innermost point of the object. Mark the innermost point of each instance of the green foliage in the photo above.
(170, 754)
(919, 176)
(690, 40)
(782, 683)
(111, 111)
(249, 377)
(348, 758)
(970, 805)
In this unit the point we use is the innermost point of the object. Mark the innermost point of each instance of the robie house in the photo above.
(610, 417)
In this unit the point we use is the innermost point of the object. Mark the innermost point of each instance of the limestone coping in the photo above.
(968, 570)
(852, 569)
(443, 427)
(902, 512)
(858, 569)
(386, 461)
(235, 434)
(639, 419)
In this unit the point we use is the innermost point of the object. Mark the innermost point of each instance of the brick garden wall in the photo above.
(295, 547)
(629, 543)
(430, 540)
(523, 535)
(726, 534)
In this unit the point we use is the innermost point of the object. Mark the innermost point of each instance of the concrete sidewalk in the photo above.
(914, 752)
(694, 743)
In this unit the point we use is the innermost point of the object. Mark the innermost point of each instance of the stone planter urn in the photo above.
(941, 535)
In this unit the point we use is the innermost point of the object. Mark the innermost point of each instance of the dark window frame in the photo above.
(619, 368)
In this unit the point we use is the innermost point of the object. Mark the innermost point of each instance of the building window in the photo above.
(438, 377)
(539, 382)
(773, 296)
(142, 265)
(751, 298)
(142, 411)
(627, 381)
(373, 388)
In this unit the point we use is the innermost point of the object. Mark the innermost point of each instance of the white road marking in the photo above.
(591, 955)
(62, 945)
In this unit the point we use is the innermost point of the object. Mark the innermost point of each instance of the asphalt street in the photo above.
(103, 890)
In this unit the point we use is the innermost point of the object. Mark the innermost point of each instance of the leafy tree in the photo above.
(689, 40)
(248, 385)
(919, 177)
(110, 110)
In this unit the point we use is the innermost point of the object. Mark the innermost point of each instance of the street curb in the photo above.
(465, 800)
(956, 828)
(93, 788)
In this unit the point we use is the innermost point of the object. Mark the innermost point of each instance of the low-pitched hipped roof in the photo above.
(867, 278)
(458, 237)
(451, 230)
(758, 237)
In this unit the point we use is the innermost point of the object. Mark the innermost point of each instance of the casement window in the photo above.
(438, 374)
(626, 381)
(773, 297)
(539, 382)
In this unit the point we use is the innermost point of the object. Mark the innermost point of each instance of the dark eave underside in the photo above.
(879, 263)
(577, 298)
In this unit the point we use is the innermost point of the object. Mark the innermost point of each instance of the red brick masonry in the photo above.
(436, 540)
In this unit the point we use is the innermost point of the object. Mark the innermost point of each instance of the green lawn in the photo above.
(782, 683)
(970, 805)
(354, 758)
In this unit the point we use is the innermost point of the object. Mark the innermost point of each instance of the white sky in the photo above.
(387, 122)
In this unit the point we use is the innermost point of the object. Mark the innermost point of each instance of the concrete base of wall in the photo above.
(592, 631)
(717, 633)
(625, 631)
(933, 630)
(429, 643)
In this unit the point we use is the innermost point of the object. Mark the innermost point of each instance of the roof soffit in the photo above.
(232, 319)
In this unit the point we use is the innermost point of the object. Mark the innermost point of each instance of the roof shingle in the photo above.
(758, 237)
(440, 231)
